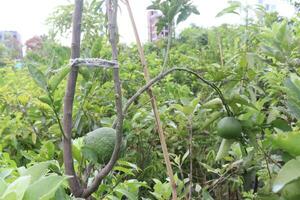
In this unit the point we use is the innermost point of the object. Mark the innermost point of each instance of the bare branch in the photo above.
(74, 183)
(112, 6)
(159, 78)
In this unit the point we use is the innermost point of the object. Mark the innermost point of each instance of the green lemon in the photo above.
(99, 144)
(229, 128)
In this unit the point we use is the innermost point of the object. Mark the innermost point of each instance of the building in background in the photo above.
(283, 7)
(270, 6)
(153, 34)
(12, 42)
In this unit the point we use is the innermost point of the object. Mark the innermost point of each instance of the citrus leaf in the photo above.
(231, 9)
(224, 148)
(287, 141)
(3, 186)
(57, 78)
(38, 76)
(16, 190)
(129, 195)
(288, 173)
(44, 188)
(36, 171)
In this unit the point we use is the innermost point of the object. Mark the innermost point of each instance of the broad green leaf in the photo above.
(281, 124)
(129, 195)
(224, 149)
(57, 78)
(161, 190)
(38, 76)
(16, 190)
(125, 163)
(230, 9)
(36, 171)
(206, 195)
(292, 85)
(85, 73)
(45, 99)
(112, 197)
(214, 103)
(288, 173)
(44, 188)
(291, 191)
(3, 186)
(287, 141)
(5, 173)
(238, 99)
(76, 148)
(187, 153)
(213, 117)
(124, 170)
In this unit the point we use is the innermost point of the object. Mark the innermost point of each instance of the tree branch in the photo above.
(74, 183)
(112, 6)
(159, 78)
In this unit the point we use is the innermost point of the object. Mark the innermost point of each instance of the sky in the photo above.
(28, 17)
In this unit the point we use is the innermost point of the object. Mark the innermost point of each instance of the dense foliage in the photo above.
(255, 65)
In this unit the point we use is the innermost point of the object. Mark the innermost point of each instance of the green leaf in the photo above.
(76, 148)
(16, 190)
(224, 148)
(124, 170)
(57, 78)
(129, 195)
(5, 173)
(187, 153)
(281, 124)
(288, 173)
(214, 103)
(287, 141)
(84, 73)
(44, 188)
(231, 9)
(38, 76)
(3, 186)
(292, 85)
(36, 171)
(206, 195)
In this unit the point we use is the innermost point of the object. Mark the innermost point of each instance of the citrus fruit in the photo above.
(99, 144)
(229, 128)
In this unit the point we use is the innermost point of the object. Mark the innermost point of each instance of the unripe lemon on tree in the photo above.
(229, 128)
(99, 144)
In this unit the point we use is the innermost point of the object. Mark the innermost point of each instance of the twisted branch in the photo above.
(163, 75)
